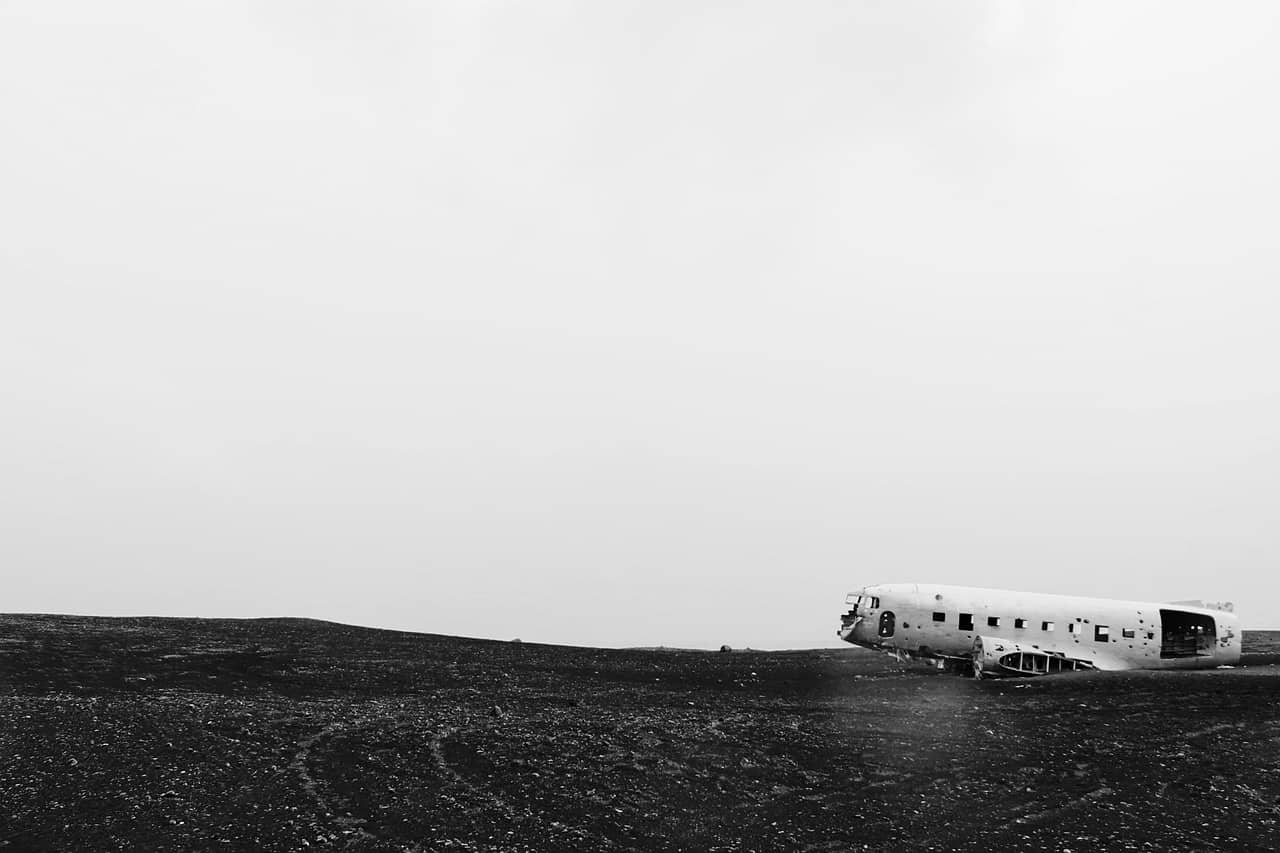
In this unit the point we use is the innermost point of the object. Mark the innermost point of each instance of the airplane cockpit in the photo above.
(864, 622)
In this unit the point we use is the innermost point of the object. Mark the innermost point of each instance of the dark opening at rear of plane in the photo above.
(1186, 635)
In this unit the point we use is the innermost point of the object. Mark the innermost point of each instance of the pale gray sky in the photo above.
(635, 323)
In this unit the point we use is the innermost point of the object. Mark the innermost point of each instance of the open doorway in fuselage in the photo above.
(1186, 635)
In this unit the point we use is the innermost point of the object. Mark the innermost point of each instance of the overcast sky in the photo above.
(641, 323)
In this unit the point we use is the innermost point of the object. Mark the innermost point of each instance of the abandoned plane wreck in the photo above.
(1000, 633)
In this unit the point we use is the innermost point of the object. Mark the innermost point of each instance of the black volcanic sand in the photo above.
(175, 734)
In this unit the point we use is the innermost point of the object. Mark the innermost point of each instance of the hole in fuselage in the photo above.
(1186, 635)
(886, 623)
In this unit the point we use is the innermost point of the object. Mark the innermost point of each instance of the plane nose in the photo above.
(847, 622)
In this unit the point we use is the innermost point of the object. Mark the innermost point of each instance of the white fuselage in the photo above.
(1013, 628)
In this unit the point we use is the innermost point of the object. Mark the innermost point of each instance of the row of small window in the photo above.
(1101, 633)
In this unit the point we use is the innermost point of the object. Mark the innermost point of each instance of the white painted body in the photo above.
(1026, 633)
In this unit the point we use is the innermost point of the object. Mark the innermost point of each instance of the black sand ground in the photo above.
(175, 734)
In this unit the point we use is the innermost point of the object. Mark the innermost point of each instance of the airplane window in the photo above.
(1046, 626)
(966, 621)
(993, 621)
(1128, 633)
(939, 617)
(886, 624)
(1019, 623)
(1073, 627)
(1101, 633)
